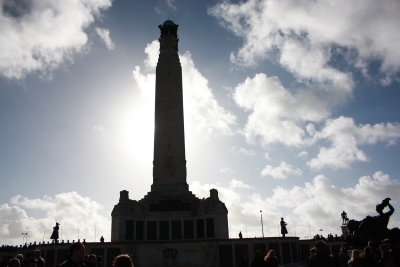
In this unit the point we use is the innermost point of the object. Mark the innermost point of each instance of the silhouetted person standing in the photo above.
(283, 227)
(14, 263)
(38, 258)
(258, 260)
(312, 253)
(32, 262)
(240, 235)
(91, 261)
(343, 257)
(99, 261)
(122, 261)
(75, 257)
(271, 260)
(321, 257)
(243, 261)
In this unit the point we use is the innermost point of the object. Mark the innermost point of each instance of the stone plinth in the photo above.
(345, 230)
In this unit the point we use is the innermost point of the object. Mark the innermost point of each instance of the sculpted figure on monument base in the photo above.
(373, 228)
(283, 227)
(54, 235)
(344, 218)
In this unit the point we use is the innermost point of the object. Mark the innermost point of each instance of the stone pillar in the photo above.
(345, 230)
(169, 165)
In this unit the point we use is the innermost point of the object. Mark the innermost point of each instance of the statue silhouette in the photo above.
(54, 235)
(373, 228)
(283, 227)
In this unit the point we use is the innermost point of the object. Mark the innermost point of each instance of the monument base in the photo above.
(345, 230)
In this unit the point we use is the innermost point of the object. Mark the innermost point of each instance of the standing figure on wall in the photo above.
(283, 227)
(344, 218)
(54, 235)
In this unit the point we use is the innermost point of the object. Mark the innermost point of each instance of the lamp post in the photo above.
(262, 225)
(24, 236)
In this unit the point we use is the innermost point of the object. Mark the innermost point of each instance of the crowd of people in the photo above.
(330, 237)
(269, 260)
(77, 257)
(372, 255)
(20, 261)
(384, 255)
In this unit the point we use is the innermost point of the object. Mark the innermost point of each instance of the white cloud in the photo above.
(346, 137)
(171, 4)
(105, 36)
(227, 170)
(11, 222)
(305, 38)
(302, 154)
(152, 51)
(45, 35)
(277, 115)
(239, 184)
(318, 203)
(243, 151)
(314, 200)
(71, 210)
(98, 129)
(307, 33)
(281, 171)
(199, 102)
(165, 7)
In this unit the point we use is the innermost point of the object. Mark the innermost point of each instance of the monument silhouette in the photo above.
(169, 211)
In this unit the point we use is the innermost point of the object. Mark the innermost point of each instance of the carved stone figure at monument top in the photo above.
(373, 228)
(344, 218)
(169, 210)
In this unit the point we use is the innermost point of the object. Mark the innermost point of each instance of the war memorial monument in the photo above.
(170, 211)
(170, 226)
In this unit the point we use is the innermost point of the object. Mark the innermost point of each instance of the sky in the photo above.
(291, 108)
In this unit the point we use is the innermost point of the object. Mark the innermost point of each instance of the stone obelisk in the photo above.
(169, 165)
(169, 211)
